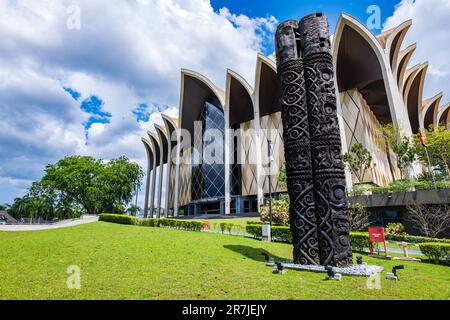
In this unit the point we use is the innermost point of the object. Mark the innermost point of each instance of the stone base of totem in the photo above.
(361, 270)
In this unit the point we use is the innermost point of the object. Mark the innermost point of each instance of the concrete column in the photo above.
(259, 179)
(147, 180)
(222, 207)
(168, 186)
(152, 198)
(168, 169)
(240, 205)
(147, 190)
(177, 177)
(160, 179)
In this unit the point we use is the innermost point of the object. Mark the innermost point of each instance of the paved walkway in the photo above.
(62, 224)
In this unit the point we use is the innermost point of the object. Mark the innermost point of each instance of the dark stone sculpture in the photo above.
(324, 142)
(297, 145)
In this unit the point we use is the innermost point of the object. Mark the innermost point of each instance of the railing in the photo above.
(34, 221)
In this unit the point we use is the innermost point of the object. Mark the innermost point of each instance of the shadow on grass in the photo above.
(256, 254)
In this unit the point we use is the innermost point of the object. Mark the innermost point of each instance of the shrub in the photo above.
(255, 230)
(224, 226)
(414, 239)
(394, 229)
(359, 241)
(281, 234)
(187, 225)
(280, 212)
(148, 222)
(163, 223)
(261, 223)
(118, 218)
(436, 251)
(360, 189)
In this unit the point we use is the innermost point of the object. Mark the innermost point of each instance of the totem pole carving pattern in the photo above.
(319, 149)
(297, 147)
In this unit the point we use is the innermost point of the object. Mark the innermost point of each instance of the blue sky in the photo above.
(294, 9)
(97, 88)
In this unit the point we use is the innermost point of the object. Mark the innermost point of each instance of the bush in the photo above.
(436, 251)
(118, 218)
(280, 211)
(163, 223)
(281, 234)
(414, 239)
(399, 186)
(148, 222)
(188, 225)
(394, 229)
(255, 230)
(359, 241)
(224, 226)
(406, 238)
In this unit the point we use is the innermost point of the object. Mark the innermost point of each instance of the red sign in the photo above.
(376, 234)
(422, 140)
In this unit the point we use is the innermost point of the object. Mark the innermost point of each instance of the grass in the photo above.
(130, 262)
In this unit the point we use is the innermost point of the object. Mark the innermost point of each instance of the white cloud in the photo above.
(431, 32)
(126, 53)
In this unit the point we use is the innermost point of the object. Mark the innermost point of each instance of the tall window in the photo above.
(208, 176)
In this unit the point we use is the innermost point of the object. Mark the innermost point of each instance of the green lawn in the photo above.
(130, 262)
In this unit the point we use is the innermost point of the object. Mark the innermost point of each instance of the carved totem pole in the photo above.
(313, 151)
(297, 147)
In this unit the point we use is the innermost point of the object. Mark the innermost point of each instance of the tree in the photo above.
(406, 154)
(133, 210)
(358, 217)
(81, 184)
(94, 185)
(358, 161)
(437, 140)
(280, 211)
(118, 183)
(75, 179)
(430, 220)
(387, 136)
(403, 147)
(31, 207)
(282, 177)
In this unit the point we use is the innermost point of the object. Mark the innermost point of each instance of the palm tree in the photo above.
(133, 210)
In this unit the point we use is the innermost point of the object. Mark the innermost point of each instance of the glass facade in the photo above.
(208, 175)
(235, 168)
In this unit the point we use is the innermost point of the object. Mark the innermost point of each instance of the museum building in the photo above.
(375, 85)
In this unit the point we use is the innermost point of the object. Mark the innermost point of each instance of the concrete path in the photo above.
(62, 224)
